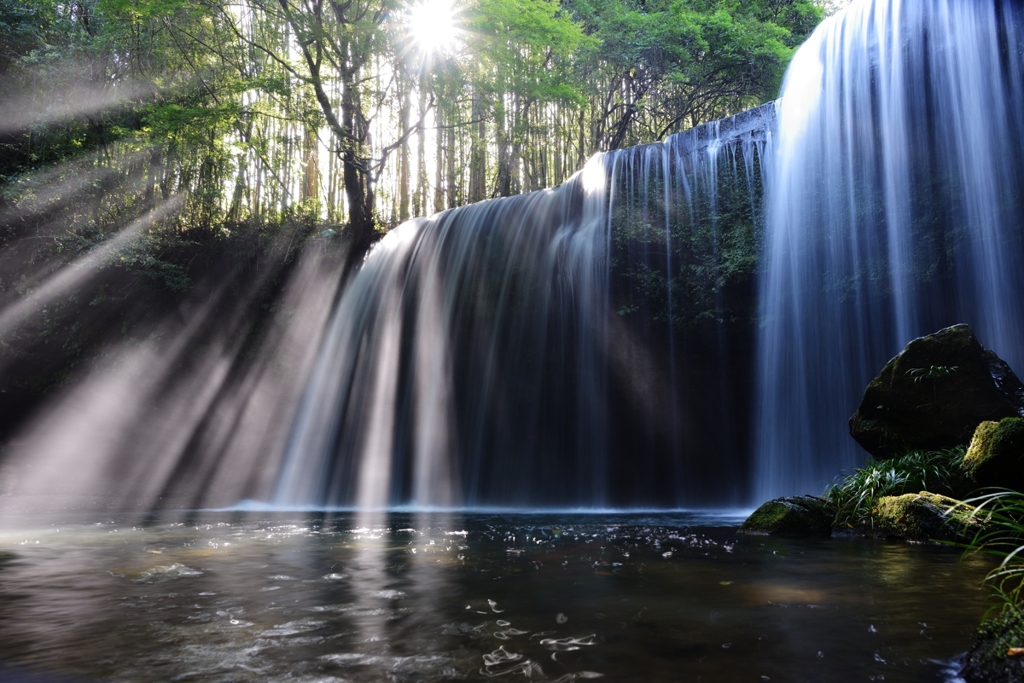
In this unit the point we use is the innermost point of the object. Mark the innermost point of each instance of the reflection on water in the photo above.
(446, 597)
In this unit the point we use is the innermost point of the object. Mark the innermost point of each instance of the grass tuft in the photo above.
(855, 495)
(1001, 513)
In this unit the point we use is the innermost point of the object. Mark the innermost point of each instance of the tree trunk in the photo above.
(478, 150)
(439, 165)
(450, 183)
(403, 158)
(420, 196)
(503, 183)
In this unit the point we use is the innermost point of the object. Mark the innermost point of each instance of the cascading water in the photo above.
(491, 355)
(428, 349)
(894, 210)
(598, 343)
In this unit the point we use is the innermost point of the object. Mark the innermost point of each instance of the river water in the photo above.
(400, 596)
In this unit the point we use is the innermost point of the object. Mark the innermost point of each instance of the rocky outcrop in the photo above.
(924, 517)
(793, 516)
(934, 394)
(996, 656)
(996, 455)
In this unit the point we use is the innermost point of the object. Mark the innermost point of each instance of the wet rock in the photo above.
(924, 517)
(793, 516)
(989, 659)
(996, 455)
(933, 395)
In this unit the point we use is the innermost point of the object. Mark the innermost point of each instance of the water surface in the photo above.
(262, 596)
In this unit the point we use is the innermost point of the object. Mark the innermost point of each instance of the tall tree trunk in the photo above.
(478, 150)
(152, 173)
(403, 157)
(234, 211)
(515, 154)
(450, 181)
(581, 157)
(333, 215)
(503, 182)
(439, 165)
(419, 199)
(358, 184)
(311, 181)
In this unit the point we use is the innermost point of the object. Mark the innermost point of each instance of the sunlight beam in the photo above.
(74, 274)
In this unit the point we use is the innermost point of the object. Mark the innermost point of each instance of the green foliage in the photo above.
(234, 103)
(856, 495)
(678, 63)
(931, 372)
(1001, 513)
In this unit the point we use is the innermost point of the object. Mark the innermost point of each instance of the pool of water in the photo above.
(403, 597)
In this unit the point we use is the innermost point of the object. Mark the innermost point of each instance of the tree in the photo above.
(339, 51)
(524, 54)
(664, 65)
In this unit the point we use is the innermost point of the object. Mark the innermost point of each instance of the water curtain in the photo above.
(525, 351)
(893, 211)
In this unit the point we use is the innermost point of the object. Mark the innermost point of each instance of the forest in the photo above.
(360, 113)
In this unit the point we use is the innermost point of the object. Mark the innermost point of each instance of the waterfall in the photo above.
(894, 210)
(681, 324)
(447, 340)
(550, 349)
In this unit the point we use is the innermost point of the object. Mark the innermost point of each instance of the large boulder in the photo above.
(996, 454)
(924, 517)
(933, 395)
(793, 516)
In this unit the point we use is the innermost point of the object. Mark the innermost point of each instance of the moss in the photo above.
(996, 453)
(923, 517)
(795, 516)
(988, 660)
(981, 444)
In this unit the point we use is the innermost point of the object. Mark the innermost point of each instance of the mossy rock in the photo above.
(996, 454)
(988, 660)
(924, 517)
(793, 516)
(933, 395)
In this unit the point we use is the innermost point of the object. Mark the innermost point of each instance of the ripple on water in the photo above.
(166, 573)
(293, 627)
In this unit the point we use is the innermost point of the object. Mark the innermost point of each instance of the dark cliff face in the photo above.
(934, 394)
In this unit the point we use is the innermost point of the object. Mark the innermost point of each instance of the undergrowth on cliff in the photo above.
(855, 495)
